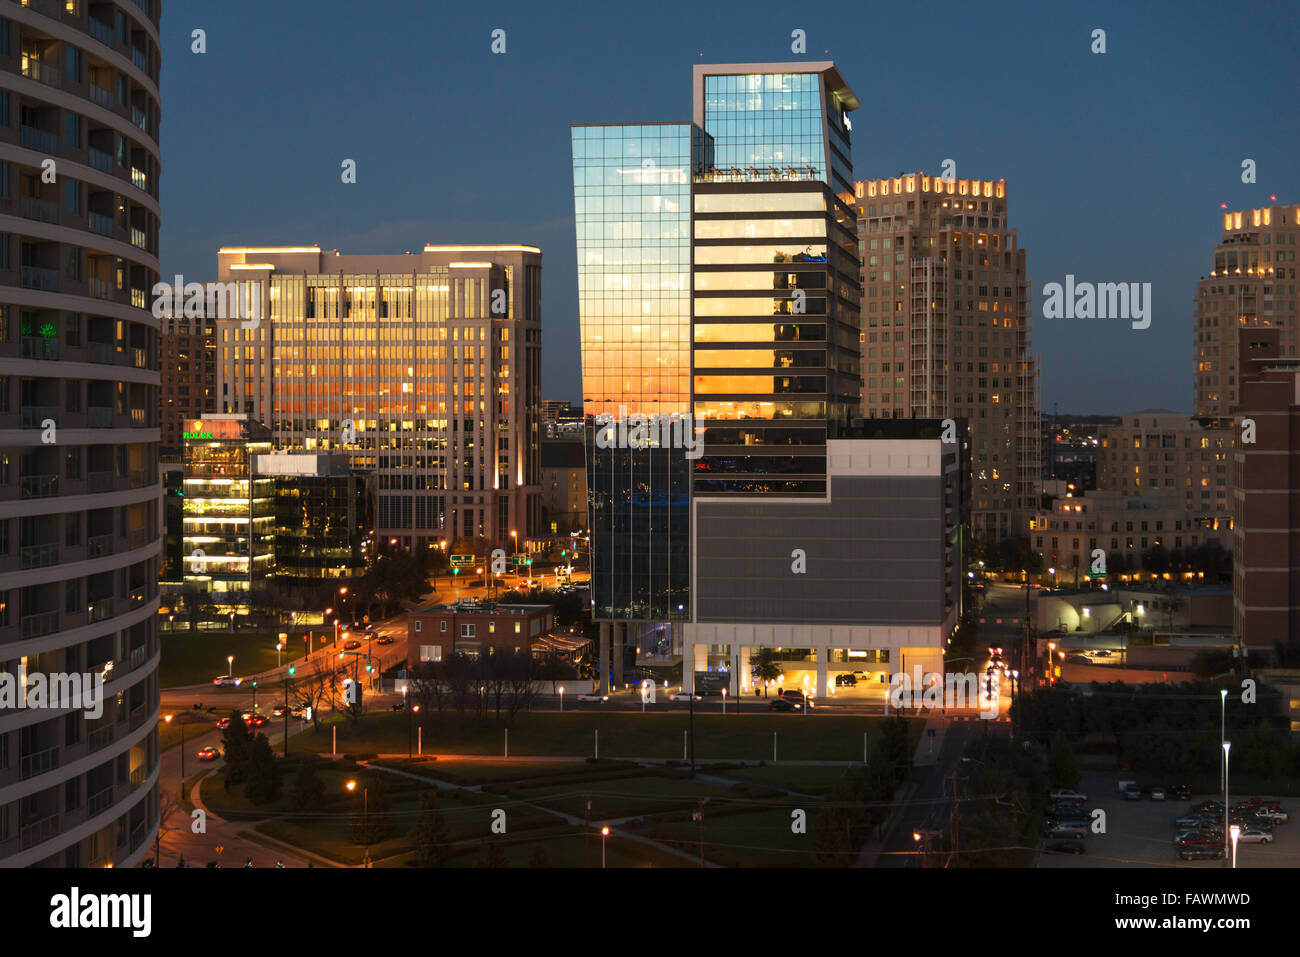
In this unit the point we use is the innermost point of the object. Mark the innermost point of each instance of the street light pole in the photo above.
(1223, 709)
(1227, 746)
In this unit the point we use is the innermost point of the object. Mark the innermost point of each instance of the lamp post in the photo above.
(279, 647)
(561, 699)
(410, 721)
(365, 818)
(1227, 827)
(230, 666)
(1236, 833)
(724, 702)
(168, 719)
(1223, 709)
(604, 833)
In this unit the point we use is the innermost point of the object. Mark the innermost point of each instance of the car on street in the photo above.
(1254, 835)
(208, 754)
(298, 712)
(795, 696)
(685, 696)
(1065, 794)
(1065, 847)
(785, 704)
(1101, 653)
(226, 681)
(385, 640)
(256, 721)
(223, 724)
(279, 710)
(1198, 852)
(592, 696)
(351, 645)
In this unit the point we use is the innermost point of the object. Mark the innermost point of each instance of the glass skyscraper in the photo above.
(632, 201)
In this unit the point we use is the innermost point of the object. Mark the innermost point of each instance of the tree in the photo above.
(236, 748)
(263, 773)
(495, 856)
(1061, 769)
(539, 858)
(316, 688)
(308, 789)
(430, 836)
(764, 667)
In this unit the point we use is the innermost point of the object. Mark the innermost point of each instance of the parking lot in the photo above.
(1141, 833)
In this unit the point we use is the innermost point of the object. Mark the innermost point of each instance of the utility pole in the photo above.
(952, 826)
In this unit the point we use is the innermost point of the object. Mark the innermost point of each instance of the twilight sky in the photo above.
(1115, 164)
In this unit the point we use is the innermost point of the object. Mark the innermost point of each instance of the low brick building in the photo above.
(472, 628)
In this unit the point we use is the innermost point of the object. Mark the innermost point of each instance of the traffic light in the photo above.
(292, 669)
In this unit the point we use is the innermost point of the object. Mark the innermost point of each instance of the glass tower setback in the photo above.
(632, 204)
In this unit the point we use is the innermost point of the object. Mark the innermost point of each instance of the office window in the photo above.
(442, 625)
(417, 624)
(73, 125)
(72, 63)
(467, 631)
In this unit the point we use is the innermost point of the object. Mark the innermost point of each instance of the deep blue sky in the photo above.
(1115, 164)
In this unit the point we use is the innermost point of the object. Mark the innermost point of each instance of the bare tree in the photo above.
(316, 688)
(521, 682)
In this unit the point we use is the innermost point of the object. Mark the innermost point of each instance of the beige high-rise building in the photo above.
(425, 368)
(1253, 282)
(1169, 454)
(945, 309)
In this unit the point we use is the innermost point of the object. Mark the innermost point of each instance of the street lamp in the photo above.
(1223, 707)
(1227, 827)
(279, 647)
(230, 666)
(168, 719)
(365, 817)
(561, 699)
(604, 833)
(1236, 833)
(724, 702)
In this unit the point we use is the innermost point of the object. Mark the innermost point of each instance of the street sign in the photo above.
(462, 561)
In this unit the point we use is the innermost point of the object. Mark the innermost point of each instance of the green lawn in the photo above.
(483, 772)
(196, 658)
(624, 797)
(804, 779)
(573, 850)
(760, 838)
(622, 735)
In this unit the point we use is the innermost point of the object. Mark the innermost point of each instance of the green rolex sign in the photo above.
(197, 435)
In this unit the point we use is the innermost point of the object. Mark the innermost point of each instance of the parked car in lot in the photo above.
(1183, 792)
(1201, 853)
(208, 754)
(1065, 794)
(846, 681)
(1157, 794)
(1101, 653)
(1254, 835)
(1274, 815)
(1211, 807)
(1068, 829)
(1132, 792)
(1065, 847)
(1190, 820)
(1186, 838)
